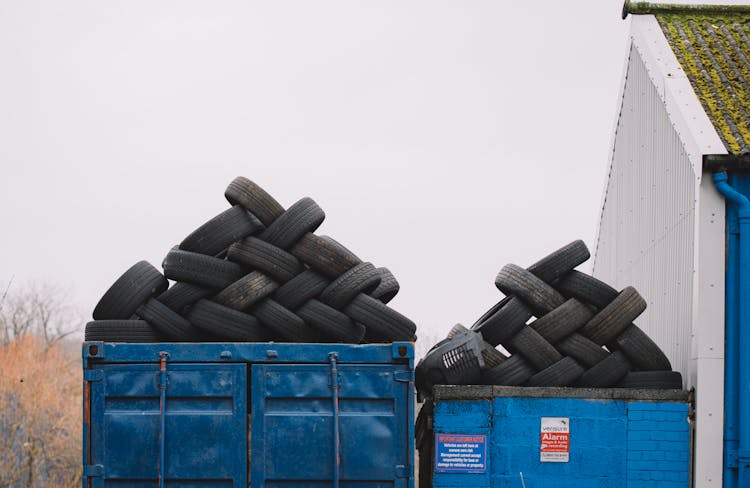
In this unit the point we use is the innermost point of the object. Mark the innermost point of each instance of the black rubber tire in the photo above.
(382, 322)
(171, 325)
(538, 295)
(388, 287)
(666, 380)
(325, 255)
(180, 296)
(606, 373)
(363, 278)
(537, 351)
(226, 323)
(199, 269)
(247, 291)
(560, 262)
(581, 349)
(220, 232)
(512, 372)
(282, 322)
(586, 289)
(615, 317)
(136, 285)
(332, 324)
(492, 357)
(562, 321)
(295, 292)
(501, 322)
(641, 351)
(255, 199)
(121, 331)
(257, 254)
(565, 372)
(299, 219)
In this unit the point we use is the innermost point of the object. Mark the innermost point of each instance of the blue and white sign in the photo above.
(460, 453)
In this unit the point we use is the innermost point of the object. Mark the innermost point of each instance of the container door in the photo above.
(205, 428)
(293, 426)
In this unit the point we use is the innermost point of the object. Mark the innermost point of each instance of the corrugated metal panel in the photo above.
(646, 235)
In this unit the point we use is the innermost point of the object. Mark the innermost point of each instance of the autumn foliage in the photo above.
(40, 393)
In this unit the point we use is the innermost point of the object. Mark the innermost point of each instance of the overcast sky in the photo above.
(443, 139)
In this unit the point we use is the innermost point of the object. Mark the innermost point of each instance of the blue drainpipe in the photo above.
(737, 318)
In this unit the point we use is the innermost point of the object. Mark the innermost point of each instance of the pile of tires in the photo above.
(561, 328)
(254, 273)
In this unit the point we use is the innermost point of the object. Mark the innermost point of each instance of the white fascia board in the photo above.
(685, 111)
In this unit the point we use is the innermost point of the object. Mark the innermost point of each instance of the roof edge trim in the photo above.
(645, 8)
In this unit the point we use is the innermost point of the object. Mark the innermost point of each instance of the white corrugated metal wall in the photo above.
(646, 235)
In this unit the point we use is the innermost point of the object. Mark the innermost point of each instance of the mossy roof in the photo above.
(712, 43)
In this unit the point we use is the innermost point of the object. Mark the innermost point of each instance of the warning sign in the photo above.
(554, 446)
(460, 453)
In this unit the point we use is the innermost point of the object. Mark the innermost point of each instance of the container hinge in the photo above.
(92, 375)
(404, 471)
(93, 471)
(403, 376)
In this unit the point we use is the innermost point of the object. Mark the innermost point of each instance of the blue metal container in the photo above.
(491, 436)
(250, 414)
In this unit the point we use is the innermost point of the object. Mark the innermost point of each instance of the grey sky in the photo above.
(443, 139)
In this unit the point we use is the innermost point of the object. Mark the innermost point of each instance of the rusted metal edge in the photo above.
(643, 8)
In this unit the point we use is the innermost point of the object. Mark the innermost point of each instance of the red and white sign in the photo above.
(554, 446)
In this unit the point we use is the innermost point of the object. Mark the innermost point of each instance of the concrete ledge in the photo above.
(485, 392)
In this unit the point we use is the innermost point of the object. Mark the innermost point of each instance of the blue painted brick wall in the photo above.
(613, 443)
(658, 451)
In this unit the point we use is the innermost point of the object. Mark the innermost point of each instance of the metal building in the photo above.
(675, 208)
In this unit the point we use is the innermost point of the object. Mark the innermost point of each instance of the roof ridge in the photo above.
(640, 8)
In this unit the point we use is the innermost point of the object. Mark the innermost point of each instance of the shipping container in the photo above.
(248, 414)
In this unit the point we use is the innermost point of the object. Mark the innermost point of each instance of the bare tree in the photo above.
(40, 309)
(40, 389)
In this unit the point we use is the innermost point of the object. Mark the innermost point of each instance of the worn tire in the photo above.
(362, 278)
(260, 255)
(607, 372)
(501, 322)
(255, 199)
(221, 231)
(537, 351)
(283, 322)
(514, 280)
(247, 291)
(295, 292)
(565, 372)
(615, 317)
(382, 322)
(581, 349)
(562, 321)
(332, 324)
(513, 371)
(388, 287)
(136, 285)
(199, 269)
(226, 323)
(641, 351)
(299, 219)
(180, 296)
(560, 262)
(586, 288)
(325, 255)
(121, 331)
(666, 380)
(169, 323)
